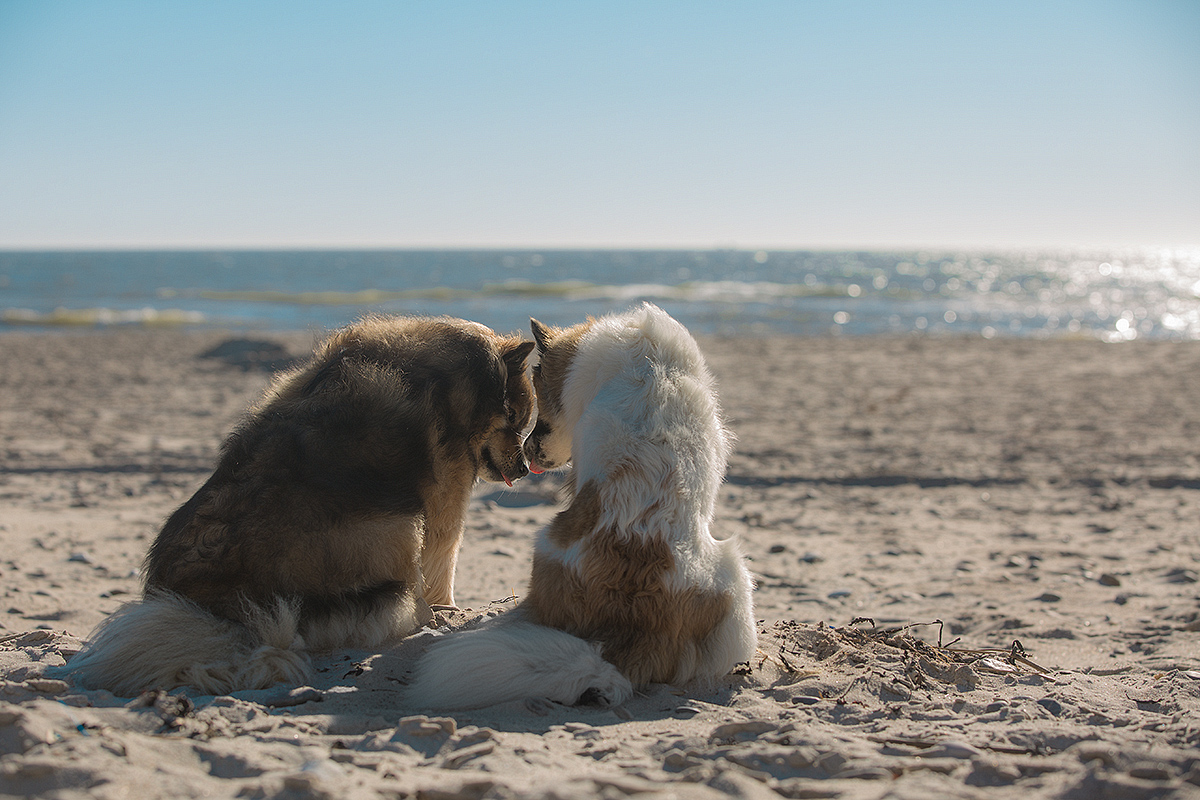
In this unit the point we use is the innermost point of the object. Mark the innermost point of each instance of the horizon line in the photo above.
(559, 247)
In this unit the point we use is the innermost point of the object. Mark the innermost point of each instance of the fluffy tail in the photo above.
(165, 641)
(511, 658)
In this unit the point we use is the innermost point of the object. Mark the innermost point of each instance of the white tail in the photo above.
(511, 658)
(165, 641)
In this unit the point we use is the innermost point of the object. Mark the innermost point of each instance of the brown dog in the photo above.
(336, 507)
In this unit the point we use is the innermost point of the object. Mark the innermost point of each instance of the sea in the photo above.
(1113, 296)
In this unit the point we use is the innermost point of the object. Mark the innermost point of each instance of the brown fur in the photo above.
(621, 599)
(550, 373)
(344, 490)
(619, 595)
(577, 519)
(557, 347)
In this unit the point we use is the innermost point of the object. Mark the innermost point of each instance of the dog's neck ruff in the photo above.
(645, 423)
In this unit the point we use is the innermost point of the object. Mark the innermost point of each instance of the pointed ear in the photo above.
(514, 356)
(542, 334)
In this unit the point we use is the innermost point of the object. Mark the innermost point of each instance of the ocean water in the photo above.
(1113, 296)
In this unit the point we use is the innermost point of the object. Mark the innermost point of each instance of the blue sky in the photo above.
(468, 124)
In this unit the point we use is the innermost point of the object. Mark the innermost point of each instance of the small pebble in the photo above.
(1181, 575)
(1108, 579)
(839, 594)
(1051, 705)
(1049, 597)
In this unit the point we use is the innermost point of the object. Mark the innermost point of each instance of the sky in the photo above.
(795, 124)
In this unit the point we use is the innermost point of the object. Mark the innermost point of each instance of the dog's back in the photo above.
(634, 551)
(312, 487)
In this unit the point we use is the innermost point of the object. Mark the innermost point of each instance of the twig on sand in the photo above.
(1013, 655)
(890, 632)
(783, 662)
(512, 597)
(925, 744)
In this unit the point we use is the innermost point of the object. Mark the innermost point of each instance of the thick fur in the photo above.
(335, 511)
(630, 566)
(510, 658)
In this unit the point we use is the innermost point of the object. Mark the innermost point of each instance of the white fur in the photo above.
(509, 658)
(165, 641)
(637, 394)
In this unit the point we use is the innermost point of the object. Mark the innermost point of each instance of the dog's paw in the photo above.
(608, 691)
(594, 696)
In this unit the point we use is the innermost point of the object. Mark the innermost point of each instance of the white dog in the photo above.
(629, 586)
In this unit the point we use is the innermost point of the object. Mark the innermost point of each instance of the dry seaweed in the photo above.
(1014, 655)
(854, 644)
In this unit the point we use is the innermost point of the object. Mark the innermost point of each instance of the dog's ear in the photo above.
(515, 353)
(542, 334)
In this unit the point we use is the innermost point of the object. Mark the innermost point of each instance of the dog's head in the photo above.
(501, 459)
(549, 446)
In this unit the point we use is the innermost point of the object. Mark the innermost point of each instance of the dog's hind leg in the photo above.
(279, 654)
(367, 618)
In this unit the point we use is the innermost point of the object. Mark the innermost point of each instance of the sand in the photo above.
(976, 561)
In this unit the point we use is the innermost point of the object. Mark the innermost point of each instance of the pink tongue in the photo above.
(506, 480)
(535, 469)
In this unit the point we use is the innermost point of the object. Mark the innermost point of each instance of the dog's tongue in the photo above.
(506, 480)
(535, 469)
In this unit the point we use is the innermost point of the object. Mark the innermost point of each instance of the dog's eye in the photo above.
(537, 370)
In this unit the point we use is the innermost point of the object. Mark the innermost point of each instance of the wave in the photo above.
(91, 317)
(692, 291)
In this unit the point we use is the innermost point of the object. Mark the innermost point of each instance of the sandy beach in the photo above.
(977, 565)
